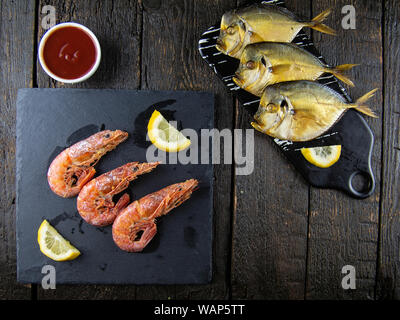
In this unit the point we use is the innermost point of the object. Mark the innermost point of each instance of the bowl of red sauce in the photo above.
(69, 52)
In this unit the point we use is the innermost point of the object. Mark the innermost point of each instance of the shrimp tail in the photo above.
(317, 24)
(359, 105)
(141, 240)
(122, 203)
(339, 71)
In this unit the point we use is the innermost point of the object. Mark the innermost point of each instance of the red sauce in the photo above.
(69, 52)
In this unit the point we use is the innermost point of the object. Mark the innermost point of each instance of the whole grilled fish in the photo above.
(303, 110)
(262, 22)
(265, 63)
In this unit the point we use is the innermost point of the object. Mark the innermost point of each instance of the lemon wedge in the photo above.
(322, 157)
(54, 245)
(164, 136)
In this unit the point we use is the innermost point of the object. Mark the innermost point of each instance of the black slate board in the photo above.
(352, 131)
(48, 120)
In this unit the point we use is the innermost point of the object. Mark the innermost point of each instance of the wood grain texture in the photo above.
(270, 222)
(16, 57)
(389, 259)
(342, 230)
(171, 61)
(117, 25)
(286, 239)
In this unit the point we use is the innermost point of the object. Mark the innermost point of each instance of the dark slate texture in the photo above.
(48, 120)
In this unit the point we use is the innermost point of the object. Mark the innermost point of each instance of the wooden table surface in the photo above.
(275, 237)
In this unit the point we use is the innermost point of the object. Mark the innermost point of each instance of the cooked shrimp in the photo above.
(73, 167)
(95, 204)
(135, 226)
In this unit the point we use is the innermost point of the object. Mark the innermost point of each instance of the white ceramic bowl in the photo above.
(87, 31)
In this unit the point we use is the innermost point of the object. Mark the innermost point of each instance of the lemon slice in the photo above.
(322, 157)
(53, 245)
(164, 136)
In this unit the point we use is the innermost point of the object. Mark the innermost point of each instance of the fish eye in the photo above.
(230, 30)
(250, 64)
(107, 135)
(271, 107)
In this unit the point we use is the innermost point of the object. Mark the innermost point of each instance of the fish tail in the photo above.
(339, 71)
(359, 105)
(317, 24)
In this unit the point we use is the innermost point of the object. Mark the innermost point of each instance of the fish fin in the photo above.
(317, 24)
(359, 105)
(280, 68)
(367, 111)
(366, 97)
(339, 70)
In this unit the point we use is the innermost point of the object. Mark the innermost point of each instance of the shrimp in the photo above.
(95, 204)
(135, 226)
(73, 167)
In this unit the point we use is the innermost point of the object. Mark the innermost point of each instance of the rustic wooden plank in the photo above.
(344, 231)
(117, 25)
(270, 222)
(170, 61)
(16, 61)
(389, 260)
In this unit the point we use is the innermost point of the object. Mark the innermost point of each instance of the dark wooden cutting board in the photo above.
(49, 120)
(352, 173)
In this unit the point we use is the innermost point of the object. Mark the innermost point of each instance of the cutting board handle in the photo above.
(369, 184)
